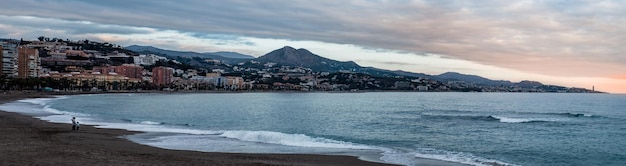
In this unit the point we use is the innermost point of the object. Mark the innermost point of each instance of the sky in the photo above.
(573, 43)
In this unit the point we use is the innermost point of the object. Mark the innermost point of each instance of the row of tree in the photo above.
(65, 84)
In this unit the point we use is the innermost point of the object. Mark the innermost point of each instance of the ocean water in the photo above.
(470, 128)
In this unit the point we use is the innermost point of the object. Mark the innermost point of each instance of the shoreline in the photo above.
(26, 140)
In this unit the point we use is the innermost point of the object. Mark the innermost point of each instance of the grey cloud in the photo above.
(392, 63)
(573, 35)
(71, 27)
(223, 39)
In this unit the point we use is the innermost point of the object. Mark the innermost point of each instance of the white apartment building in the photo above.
(9, 57)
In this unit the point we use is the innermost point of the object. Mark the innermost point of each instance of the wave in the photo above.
(48, 109)
(299, 143)
(36, 101)
(457, 157)
(523, 120)
(148, 126)
(388, 155)
(502, 119)
(150, 122)
(575, 115)
(461, 117)
(514, 117)
(299, 140)
(42, 101)
(39, 107)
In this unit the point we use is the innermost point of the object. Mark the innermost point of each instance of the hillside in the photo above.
(304, 58)
(228, 54)
(226, 57)
(454, 76)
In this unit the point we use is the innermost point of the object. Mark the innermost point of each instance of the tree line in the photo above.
(68, 84)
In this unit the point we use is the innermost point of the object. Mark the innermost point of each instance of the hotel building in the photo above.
(28, 62)
(162, 75)
(9, 57)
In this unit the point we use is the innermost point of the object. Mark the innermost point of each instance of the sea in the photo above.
(391, 127)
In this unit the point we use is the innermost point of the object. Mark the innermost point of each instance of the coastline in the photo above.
(29, 141)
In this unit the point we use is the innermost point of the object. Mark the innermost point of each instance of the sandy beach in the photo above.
(28, 141)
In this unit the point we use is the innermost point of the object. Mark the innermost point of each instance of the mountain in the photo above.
(529, 84)
(228, 54)
(453, 76)
(391, 73)
(411, 74)
(304, 58)
(226, 57)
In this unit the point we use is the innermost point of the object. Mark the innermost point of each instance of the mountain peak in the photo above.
(302, 57)
(450, 74)
(288, 48)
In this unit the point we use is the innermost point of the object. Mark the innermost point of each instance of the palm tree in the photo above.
(85, 85)
(115, 85)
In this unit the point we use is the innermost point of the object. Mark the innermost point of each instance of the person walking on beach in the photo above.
(77, 125)
(73, 123)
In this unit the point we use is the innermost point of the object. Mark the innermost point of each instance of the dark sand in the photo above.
(25, 140)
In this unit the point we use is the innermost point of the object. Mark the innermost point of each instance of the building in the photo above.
(421, 88)
(129, 70)
(210, 75)
(95, 79)
(403, 85)
(147, 59)
(1, 57)
(52, 46)
(104, 69)
(162, 75)
(28, 62)
(9, 57)
(234, 83)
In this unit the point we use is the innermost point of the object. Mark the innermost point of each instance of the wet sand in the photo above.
(25, 140)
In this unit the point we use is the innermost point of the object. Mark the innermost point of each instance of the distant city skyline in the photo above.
(570, 43)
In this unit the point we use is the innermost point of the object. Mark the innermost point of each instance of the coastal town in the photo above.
(53, 64)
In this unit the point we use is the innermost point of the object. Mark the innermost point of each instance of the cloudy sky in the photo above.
(575, 43)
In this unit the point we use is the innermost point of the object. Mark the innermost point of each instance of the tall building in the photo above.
(9, 57)
(162, 75)
(1, 57)
(129, 70)
(27, 62)
(234, 83)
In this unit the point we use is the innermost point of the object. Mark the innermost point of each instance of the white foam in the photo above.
(34, 106)
(153, 128)
(55, 111)
(300, 140)
(41, 101)
(524, 120)
(67, 119)
(150, 123)
(36, 101)
(216, 143)
(397, 157)
(429, 153)
(21, 108)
